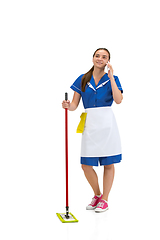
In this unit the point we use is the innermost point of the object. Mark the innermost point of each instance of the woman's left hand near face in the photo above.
(110, 70)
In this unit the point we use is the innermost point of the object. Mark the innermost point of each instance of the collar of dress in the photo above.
(92, 85)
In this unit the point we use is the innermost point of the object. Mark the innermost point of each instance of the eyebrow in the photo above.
(102, 55)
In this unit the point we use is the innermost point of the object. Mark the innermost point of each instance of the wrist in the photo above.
(112, 78)
(71, 107)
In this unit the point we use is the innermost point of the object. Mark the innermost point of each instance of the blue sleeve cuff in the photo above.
(74, 88)
(120, 89)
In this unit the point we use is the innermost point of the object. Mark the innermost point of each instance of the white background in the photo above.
(44, 47)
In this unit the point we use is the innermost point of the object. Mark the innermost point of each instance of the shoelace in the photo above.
(100, 204)
(93, 201)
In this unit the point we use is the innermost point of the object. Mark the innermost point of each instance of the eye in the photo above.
(104, 57)
(97, 55)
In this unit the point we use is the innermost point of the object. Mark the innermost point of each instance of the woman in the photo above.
(100, 139)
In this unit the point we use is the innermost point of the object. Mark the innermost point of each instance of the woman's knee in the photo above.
(108, 167)
(86, 167)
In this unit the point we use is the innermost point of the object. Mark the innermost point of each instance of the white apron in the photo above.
(100, 137)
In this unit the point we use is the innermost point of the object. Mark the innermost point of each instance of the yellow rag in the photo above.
(81, 124)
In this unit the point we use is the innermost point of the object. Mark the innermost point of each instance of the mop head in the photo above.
(64, 219)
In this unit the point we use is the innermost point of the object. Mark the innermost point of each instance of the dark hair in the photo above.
(87, 76)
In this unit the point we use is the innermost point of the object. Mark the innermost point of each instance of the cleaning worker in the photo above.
(100, 138)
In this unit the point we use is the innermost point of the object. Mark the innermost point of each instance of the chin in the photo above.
(100, 67)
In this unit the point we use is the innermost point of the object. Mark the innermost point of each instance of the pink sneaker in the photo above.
(94, 203)
(102, 206)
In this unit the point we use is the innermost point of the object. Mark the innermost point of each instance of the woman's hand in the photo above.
(110, 70)
(66, 104)
(74, 104)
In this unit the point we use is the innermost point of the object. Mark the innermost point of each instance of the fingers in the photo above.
(110, 68)
(109, 65)
(65, 104)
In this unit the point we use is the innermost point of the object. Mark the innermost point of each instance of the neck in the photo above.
(98, 73)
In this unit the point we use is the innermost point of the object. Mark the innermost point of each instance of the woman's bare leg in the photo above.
(92, 178)
(108, 180)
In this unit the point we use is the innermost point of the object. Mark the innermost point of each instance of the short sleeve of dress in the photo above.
(76, 86)
(118, 84)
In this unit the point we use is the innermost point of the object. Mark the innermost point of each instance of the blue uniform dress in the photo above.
(97, 98)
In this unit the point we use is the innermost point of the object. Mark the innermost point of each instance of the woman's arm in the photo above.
(117, 95)
(74, 104)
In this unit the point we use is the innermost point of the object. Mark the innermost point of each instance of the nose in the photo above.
(100, 58)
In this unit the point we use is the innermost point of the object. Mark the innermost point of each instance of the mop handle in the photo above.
(66, 147)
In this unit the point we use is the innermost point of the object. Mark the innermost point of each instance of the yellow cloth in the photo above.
(81, 124)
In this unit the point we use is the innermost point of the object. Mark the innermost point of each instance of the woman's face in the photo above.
(100, 59)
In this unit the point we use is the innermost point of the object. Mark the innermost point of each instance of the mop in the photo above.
(66, 217)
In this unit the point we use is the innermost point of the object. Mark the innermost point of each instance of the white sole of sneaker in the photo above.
(99, 210)
(90, 207)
